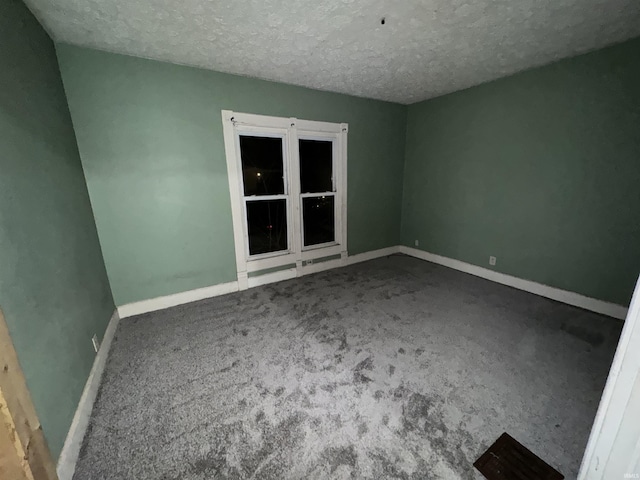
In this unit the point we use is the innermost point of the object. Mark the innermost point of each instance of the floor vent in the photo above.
(508, 459)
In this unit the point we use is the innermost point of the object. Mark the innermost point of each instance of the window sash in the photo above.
(316, 246)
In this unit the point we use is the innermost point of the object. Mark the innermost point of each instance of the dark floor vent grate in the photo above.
(508, 459)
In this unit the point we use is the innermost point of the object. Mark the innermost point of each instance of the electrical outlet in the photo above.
(492, 260)
(309, 262)
(416, 243)
(96, 343)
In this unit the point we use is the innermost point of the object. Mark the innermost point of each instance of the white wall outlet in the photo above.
(96, 343)
(416, 243)
(309, 262)
(492, 260)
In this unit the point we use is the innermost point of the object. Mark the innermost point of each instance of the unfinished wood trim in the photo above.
(26, 450)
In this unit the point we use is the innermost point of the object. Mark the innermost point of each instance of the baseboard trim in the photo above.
(564, 296)
(322, 266)
(272, 277)
(73, 442)
(160, 303)
(349, 260)
(373, 254)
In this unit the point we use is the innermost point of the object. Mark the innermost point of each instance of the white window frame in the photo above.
(291, 130)
(269, 133)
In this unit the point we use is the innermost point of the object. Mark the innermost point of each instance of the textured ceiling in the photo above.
(424, 49)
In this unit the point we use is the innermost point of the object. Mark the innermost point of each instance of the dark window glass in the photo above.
(262, 166)
(267, 222)
(315, 166)
(319, 220)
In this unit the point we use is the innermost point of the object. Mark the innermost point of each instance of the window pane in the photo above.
(316, 166)
(262, 170)
(267, 223)
(319, 220)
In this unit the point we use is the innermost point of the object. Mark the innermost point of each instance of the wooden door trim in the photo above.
(18, 418)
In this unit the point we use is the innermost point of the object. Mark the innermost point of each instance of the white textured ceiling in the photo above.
(426, 47)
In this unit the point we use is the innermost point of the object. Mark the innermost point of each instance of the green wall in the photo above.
(150, 137)
(541, 169)
(53, 286)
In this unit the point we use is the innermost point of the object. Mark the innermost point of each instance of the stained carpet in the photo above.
(394, 368)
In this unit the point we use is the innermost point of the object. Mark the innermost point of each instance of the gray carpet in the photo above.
(394, 368)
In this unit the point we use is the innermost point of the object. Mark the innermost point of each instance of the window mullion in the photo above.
(294, 190)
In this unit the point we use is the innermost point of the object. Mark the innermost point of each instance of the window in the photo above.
(265, 194)
(317, 189)
(287, 179)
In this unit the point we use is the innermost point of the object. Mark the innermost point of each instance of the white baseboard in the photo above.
(372, 255)
(350, 260)
(73, 442)
(322, 266)
(160, 303)
(272, 277)
(564, 296)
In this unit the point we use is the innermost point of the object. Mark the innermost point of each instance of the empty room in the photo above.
(319, 239)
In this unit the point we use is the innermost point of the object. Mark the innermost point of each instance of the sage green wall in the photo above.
(53, 286)
(541, 169)
(150, 138)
